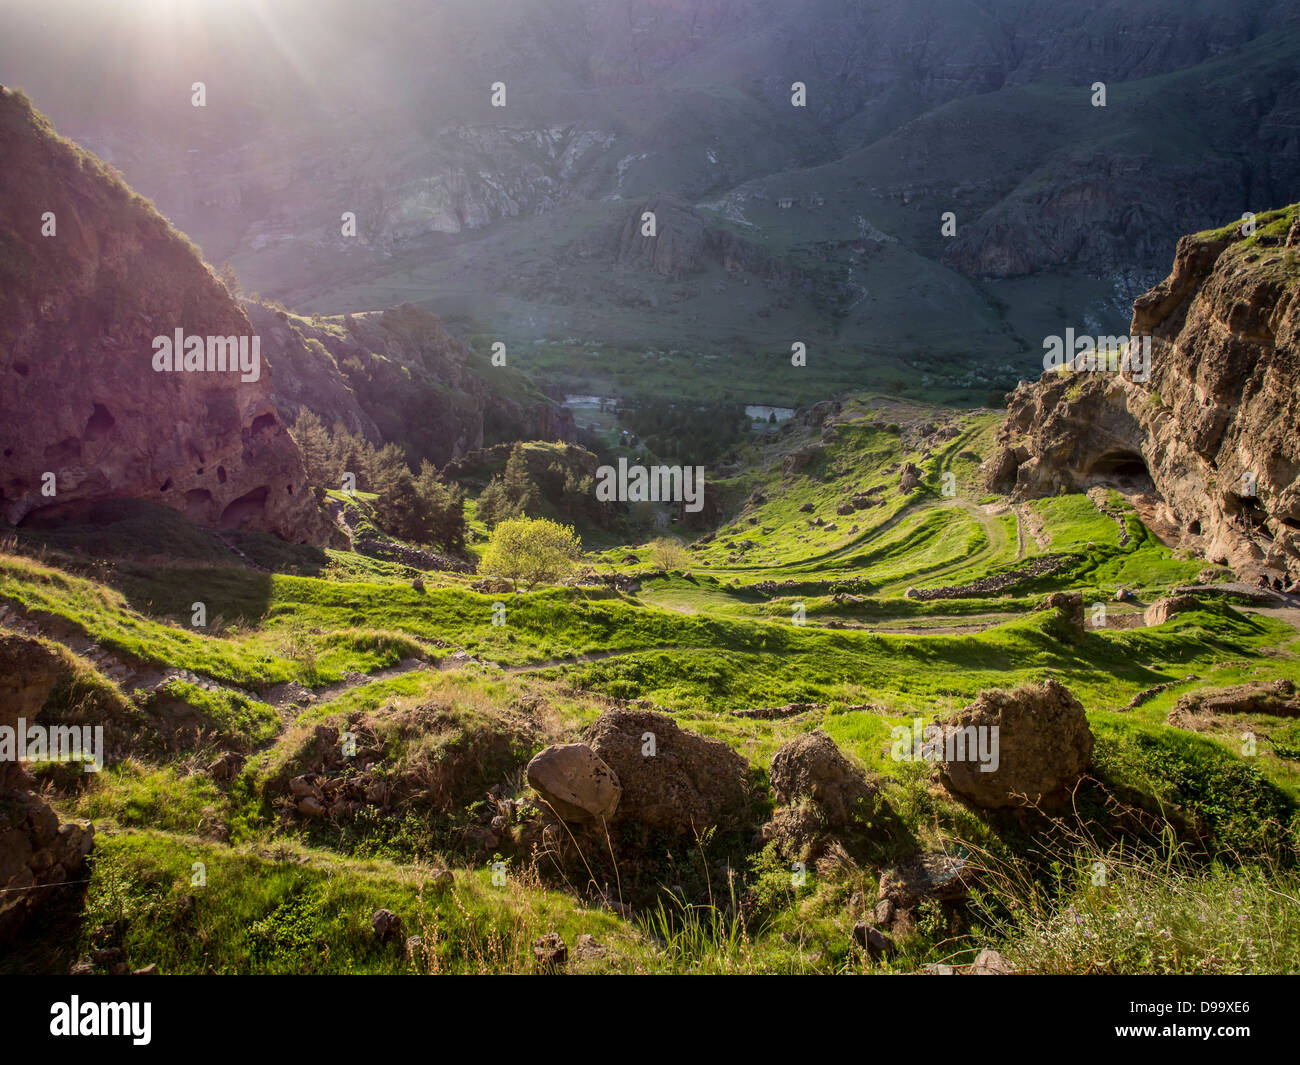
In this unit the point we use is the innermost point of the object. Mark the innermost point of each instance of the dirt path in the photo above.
(132, 675)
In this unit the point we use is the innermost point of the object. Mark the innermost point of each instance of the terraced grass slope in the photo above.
(905, 606)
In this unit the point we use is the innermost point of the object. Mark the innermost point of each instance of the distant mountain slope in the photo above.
(489, 216)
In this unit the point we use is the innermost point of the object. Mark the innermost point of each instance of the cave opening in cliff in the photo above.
(1120, 465)
(248, 507)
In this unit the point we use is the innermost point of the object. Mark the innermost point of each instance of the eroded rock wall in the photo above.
(90, 274)
(1216, 423)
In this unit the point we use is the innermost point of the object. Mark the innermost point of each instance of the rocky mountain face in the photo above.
(90, 275)
(1216, 423)
(399, 376)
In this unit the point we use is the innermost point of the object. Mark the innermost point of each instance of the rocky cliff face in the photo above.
(399, 376)
(1216, 426)
(90, 275)
(36, 851)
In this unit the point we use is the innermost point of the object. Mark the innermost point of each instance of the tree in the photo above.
(530, 550)
(493, 506)
(446, 508)
(519, 487)
(668, 554)
(317, 449)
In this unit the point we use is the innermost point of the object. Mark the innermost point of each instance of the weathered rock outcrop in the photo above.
(1043, 745)
(90, 274)
(36, 851)
(1216, 427)
(672, 780)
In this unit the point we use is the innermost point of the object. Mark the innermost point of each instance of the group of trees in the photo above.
(510, 495)
(688, 432)
(413, 506)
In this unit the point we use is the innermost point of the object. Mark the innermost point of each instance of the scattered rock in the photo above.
(930, 876)
(588, 949)
(550, 952)
(575, 782)
(385, 923)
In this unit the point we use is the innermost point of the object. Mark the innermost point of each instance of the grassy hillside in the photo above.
(456, 705)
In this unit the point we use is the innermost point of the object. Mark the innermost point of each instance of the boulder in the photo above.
(798, 460)
(550, 952)
(671, 779)
(872, 940)
(991, 963)
(909, 478)
(385, 923)
(929, 876)
(226, 767)
(575, 782)
(1163, 609)
(812, 766)
(1041, 738)
(1069, 605)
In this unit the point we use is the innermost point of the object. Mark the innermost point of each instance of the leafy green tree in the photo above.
(531, 550)
(668, 554)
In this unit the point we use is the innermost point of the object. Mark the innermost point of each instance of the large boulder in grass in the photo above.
(1008, 748)
(1163, 609)
(576, 783)
(812, 766)
(672, 780)
(1069, 605)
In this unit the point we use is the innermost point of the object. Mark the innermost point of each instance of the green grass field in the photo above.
(799, 614)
